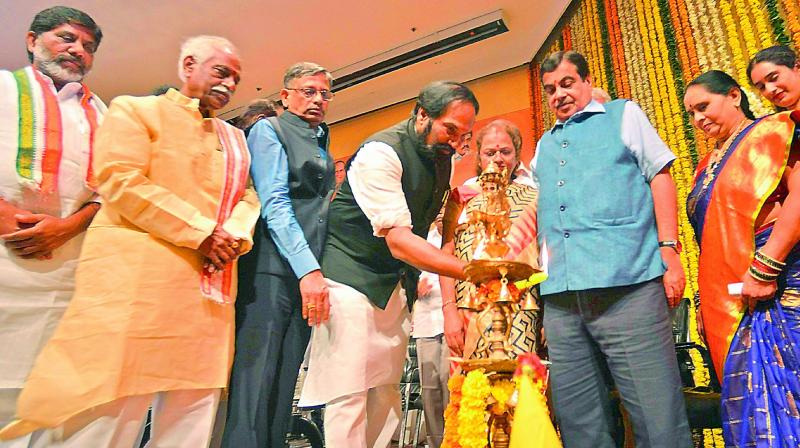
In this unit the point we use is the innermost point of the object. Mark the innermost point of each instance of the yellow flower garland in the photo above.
(763, 29)
(472, 423)
(792, 9)
(454, 384)
(746, 35)
(601, 78)
(682, 168)
(501, 391)
(642, 12)
(709, 34)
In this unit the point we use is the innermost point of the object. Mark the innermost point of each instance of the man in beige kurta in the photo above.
(140, 330)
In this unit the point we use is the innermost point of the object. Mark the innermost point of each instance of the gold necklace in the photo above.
(711, 168)
(719, 153)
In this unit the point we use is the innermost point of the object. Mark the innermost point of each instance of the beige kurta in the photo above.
(138, 322)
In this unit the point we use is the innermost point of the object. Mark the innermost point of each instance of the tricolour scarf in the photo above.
(40, 130)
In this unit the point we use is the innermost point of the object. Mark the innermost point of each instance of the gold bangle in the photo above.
(761, 276)
(449, 302)
(769, 261)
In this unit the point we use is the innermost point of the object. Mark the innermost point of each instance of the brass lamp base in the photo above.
(480, 271)
(489, 365)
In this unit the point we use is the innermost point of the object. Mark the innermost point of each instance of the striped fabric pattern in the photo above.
(216, 285)
(40, 130)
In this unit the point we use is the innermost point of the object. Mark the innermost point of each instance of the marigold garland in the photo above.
(680, 63)
(648, 50)
(732, 25)
(761, 23)
(694, 17)
(472, 422)
(634, 54)
(502, 391)
(600, 76)
(686, 43)
(678, 127)
(605, 42)
(454, 384)
(747, 37)
(792, 9)
(566, 36)
(648, 40)
(617, 50)
(591, 44)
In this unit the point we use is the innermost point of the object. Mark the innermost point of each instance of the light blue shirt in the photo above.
(269, 168)
(638, 135)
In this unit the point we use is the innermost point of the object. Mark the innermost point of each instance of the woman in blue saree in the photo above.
(745, 210)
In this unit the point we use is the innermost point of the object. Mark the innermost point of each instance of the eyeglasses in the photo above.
(310, 92)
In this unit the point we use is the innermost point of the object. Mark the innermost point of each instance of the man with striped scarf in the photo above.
(151, 320)
(47, 123)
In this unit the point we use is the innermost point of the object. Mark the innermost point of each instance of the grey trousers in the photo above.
(627, 328)
(434, 371)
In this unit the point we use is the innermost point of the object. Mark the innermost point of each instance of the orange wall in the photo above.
(502, 95)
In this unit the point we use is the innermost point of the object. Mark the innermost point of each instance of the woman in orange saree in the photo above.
(745, 210)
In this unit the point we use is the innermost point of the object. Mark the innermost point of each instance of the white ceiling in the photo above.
(142, 39)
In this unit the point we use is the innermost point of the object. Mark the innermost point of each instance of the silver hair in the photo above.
(304, 69)
(202, 48)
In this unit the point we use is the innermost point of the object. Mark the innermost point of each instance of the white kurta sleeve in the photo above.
(375, 178)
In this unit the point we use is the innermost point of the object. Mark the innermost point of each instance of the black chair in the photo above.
(411, 396)
(702, 402)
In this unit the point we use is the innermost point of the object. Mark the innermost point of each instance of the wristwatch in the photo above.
(675, 245)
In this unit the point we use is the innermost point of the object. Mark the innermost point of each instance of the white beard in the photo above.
(45, 62)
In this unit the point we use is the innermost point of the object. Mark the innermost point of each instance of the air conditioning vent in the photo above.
(444, 41)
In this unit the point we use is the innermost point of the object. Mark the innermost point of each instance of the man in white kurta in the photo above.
(376, 242)
(45, 209)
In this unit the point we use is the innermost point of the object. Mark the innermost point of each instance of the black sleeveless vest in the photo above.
(353, 255)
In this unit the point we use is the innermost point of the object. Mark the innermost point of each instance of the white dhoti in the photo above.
(33, 296)
(180, 419)
(357, 360)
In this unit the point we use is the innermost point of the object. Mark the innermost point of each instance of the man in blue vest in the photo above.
(282, 292)
(608, 221)
(379, 220)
